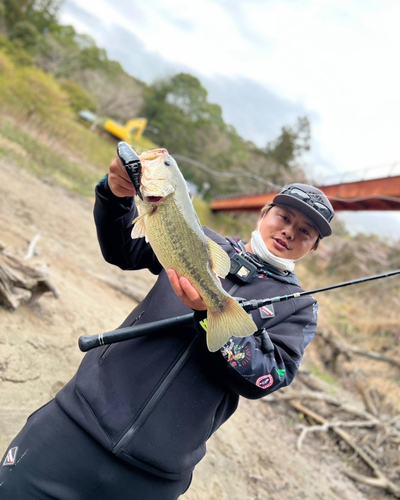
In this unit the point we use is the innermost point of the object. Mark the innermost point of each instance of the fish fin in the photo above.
(220, 261)
(198, 221)
(233, 321)
(139, 228)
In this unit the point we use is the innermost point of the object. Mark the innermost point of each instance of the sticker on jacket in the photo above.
(237, 356)
(11, 456)
(265, 381)
(267, 311)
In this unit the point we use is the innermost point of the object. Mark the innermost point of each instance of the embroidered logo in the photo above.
(281, 372)
(265, 381)
(267, 311)
(11, 456)
(237, 356)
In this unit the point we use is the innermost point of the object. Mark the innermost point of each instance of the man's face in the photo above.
(287, 233)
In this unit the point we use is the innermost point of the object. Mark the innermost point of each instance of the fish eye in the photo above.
(167, 163)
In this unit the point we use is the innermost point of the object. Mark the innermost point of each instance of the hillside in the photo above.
(254, 455)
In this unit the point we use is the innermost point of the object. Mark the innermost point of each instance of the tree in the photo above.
(119, 97)
(41, 13)
(2, 18)
(79, 98)
(188, 125)
(291, 143)
(25, 34)
(180, 100)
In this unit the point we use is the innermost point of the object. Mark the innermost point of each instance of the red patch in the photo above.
(265, 381)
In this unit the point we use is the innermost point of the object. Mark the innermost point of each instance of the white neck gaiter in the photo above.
(260, 249)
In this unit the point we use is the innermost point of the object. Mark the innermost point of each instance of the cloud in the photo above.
(257, 113)
(124, 47)
(121, 44)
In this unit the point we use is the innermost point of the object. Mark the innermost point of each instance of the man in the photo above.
(133, 422)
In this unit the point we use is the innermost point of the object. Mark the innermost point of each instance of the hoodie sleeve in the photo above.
(258, 365)
(113, 218)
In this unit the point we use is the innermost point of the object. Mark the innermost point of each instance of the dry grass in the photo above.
(370, 321)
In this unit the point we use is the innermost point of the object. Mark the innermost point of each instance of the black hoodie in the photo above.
(155, 400)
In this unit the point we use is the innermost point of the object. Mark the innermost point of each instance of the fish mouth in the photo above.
(153, 199)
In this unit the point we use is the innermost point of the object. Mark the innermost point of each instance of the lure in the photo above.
(131, 161)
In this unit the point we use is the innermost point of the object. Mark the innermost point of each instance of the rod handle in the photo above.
(87, 342)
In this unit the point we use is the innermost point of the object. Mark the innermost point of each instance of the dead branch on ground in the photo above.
(338, 347)
(17, 275)
(387, 435)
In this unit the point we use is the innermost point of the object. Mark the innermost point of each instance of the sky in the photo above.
(266, 62)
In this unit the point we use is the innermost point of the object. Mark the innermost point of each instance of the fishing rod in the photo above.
(250, 305)
(87, 342)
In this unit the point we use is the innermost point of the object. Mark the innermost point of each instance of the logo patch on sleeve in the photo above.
(265, 381)
(11, 456)
(267, 311)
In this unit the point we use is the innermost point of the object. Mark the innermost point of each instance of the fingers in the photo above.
(174, 280)
(119, 181)
(186, 291)
(191, 293)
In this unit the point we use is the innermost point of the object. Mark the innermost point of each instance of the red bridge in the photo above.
(374, 194)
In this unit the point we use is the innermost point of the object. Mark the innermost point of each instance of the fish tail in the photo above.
(233, 321)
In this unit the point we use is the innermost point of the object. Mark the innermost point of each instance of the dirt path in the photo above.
(253, 457)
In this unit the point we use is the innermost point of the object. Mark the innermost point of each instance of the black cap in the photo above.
(310, 201)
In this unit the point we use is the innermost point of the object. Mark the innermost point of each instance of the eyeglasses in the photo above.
(298, 193)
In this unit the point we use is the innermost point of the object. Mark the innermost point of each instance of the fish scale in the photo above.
(171, 238)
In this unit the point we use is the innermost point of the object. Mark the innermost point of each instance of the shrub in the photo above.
(18, 54)
(25, 33)
(79, 98)
(37, 96)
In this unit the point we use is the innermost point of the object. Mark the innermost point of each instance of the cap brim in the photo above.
(321, 224)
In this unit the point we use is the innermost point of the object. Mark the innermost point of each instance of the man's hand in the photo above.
(119, 181)
(186, 292)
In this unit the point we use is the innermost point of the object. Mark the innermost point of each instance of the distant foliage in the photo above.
(25, 34)
(183, 121)
(179, 115)
(66, 54)
(6, 65)
(31, 93)
(119, 97)
(292, 142)
(6, 69)
(363, 255)
(79, 98)
(181, 101)
(16, 52)
(41, 97)
(41, 13)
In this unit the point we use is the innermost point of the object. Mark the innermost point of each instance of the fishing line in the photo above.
(224, 174)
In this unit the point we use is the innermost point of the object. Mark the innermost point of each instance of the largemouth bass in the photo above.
(167, 219)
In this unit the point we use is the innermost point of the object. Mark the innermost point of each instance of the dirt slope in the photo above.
(252, 457)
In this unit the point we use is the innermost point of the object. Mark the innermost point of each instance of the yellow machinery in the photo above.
(130, 132)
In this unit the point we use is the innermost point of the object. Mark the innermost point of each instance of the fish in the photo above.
(168, 221)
